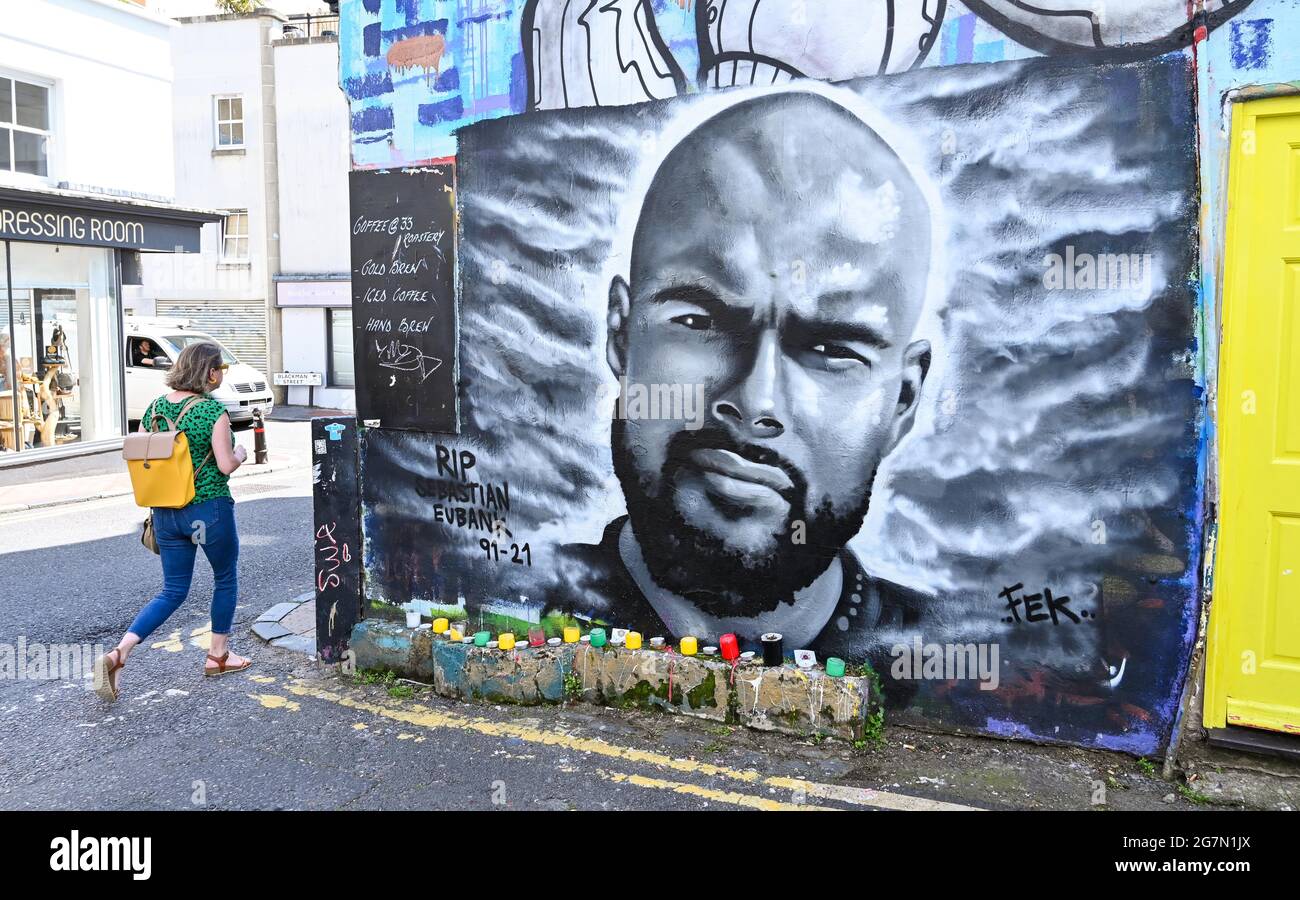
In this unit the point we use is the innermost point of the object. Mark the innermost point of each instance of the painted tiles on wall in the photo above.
(416, 70)
(1042, 445)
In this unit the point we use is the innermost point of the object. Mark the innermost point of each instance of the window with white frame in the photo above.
(234, 237)
(24, 126)
(230, 121)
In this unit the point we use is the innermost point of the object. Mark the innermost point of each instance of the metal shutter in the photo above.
(239, 324)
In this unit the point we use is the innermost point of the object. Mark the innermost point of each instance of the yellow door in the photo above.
(1253, 666)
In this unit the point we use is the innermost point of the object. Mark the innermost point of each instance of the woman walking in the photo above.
(208, 521)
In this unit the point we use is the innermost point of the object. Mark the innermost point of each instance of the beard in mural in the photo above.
(779, 268)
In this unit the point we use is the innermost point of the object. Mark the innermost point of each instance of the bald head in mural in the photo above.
(778, 273)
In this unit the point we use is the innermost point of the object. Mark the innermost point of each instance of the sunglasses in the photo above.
(223, 367)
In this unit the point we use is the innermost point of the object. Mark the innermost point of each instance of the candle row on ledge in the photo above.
(728, 646)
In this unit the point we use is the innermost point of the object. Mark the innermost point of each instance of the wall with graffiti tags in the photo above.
(876, 324)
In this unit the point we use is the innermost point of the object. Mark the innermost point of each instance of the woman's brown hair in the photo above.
(190, 373)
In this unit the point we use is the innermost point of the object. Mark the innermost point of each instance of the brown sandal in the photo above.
(222, 668)
(105, 684)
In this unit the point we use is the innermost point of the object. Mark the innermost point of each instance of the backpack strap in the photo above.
(174, 424)
(185, 407)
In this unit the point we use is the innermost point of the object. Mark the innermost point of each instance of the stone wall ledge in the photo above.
(780, 698)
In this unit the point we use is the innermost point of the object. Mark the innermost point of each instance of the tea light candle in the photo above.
(835, 667)
(709, 651)
(506, 641)
(633, 640)
(730, 648)
(586, 639)
(773, 653)
(689, 646)
(440, 625)
(597, 637)
(656, 642)
(570, 634)
(491, 645)
(747, 655)
(554, 642)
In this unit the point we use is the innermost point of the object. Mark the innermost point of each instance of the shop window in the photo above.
(59, 348)
(24, 127)
(234, 237)
(341, 373)
(229, 113)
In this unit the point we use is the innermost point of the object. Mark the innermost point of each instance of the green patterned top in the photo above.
(197, 425)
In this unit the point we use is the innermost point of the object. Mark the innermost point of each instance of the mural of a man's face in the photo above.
(780, 261)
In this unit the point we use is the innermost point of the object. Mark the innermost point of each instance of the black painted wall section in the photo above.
(336, 502)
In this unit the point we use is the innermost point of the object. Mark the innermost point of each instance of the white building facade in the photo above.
(261, 133)
(87, 189)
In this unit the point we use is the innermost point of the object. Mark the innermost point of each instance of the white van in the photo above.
(243, 390)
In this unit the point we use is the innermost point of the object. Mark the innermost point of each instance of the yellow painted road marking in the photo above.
(275, 701)
(868, 797)
(734, 798)
(172, 643)
(426, 717)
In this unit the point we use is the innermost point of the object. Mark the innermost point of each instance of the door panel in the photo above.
(1253, 666)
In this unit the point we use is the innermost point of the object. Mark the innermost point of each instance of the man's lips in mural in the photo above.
(738, 479)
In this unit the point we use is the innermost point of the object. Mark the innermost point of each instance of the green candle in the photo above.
(835, 667)
(597, 637)
(481, 638)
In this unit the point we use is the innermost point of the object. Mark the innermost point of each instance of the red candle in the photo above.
(730, 650)
(536, 637)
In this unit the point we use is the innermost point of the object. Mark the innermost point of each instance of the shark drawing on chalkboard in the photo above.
(396, 355)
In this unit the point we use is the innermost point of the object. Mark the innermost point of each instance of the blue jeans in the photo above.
(180, 532)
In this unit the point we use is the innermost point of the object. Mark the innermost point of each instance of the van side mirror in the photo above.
(162, 362)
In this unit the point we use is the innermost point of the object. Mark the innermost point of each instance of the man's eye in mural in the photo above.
(694, 321)
(836, 357)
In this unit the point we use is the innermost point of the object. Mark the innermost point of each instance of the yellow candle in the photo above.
(440, 625)
(506, 641)
(689, 646)
(571, 634)
(455, 635)
(633, 640)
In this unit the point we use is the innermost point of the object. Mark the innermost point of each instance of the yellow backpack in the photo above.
(162, 471)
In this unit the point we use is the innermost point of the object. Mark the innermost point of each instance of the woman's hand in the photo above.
(229, 457)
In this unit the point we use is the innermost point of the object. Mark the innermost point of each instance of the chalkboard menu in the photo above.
(403, 298)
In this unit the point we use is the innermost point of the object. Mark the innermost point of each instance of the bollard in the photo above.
(259, 437)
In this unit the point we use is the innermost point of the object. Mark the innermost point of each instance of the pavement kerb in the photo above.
(265, 469)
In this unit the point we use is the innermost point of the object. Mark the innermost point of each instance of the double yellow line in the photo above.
(426, 717)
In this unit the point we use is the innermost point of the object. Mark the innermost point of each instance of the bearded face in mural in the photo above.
(778, 271)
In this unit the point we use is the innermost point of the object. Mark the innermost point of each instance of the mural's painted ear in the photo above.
(620, 310)
(916, 365)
